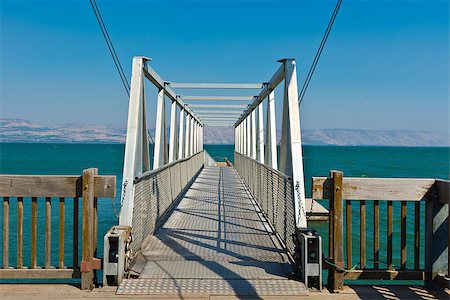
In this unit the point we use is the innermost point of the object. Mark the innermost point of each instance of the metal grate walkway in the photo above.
(215, 242)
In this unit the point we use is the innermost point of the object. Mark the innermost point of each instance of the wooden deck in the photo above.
(66, 291)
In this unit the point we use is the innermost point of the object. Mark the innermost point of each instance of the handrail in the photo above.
(89, 187)
(160, 169)
(342, 192)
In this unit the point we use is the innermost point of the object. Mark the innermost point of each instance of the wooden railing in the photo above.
(342, 192)
(89, 187)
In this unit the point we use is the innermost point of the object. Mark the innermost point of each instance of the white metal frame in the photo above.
(250, 134)
(137, 156)
(253, 138)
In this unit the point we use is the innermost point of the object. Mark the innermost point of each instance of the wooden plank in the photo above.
(385, 275)
(338, 243)
(75, 233)
(48, 231)
(376, 233)
(403, 236)
(38, 273)
(33, 232)
(20, 233)
(408, 189)
(53, 186)
(443, 190)
(416, 235)
(61, 232)
(348, 221)
(389, 235)
(6, 232)
(362, 233)
(87, 229)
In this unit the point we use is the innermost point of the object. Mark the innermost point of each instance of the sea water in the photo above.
(72, 159)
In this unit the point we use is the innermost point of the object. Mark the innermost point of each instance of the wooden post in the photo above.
(336, 276)
(33, 232)
(87, 246)
(20, 233)
(6, 232)
(61, 232)
(48, 231)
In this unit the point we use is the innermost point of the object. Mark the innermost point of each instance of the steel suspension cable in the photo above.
(110, 45)
(318, 53)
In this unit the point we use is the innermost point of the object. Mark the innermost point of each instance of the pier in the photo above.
(190, 227)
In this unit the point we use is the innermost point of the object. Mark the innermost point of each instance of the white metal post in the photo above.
(260, 134)
(135, 141)
(291, 158)
(249, 136)
(173, 133)
(181, 135)
(195, 140)
(160, 133)
(253, 116)
(188, 136)
(271, 133)
(191, 137)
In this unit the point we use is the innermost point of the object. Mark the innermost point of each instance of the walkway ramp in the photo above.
(215, 242)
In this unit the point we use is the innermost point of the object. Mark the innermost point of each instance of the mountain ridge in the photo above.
(19, 130)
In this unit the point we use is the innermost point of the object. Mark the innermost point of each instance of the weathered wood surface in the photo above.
(348, 222)
(385, 275)
(351, 292)
(87, 234)
(39, 273)
(416, 235)
(61, 233)
(409, 189)
(34, 233)
(337, 279)
(5, 232)
(53, 186)
(376, 233)
(48, 232)
(443, 190)
(362, 234)
(403, 236)
(20, 233)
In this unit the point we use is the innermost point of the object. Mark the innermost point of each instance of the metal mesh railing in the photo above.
(156, 191)
(273, 191)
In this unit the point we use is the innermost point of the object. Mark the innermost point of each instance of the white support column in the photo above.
(253, 115)
(203, 137)
(244, 136)
(187, 139)
(191, 137)
(181, 135)
(195, 140)
(260, 134)
(235, 139)
(249, 136)
(291, 158)
(271, 133)
(160, 133)
(173, 133)
(136, 158)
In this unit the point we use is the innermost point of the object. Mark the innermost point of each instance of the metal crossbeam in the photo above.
(217, 111)
(270, 86)
(216, 106)
(151, 75)
(216, 85)
(220, 98)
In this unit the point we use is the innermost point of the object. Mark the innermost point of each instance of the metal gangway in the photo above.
(190, 227)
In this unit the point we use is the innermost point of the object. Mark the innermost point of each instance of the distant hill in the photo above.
(17, 130)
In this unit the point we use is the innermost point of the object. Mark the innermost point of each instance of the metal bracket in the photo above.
(87, 266)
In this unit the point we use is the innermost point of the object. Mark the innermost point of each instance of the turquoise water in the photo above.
(71, 159)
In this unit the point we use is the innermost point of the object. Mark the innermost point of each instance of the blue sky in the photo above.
(385, 66)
